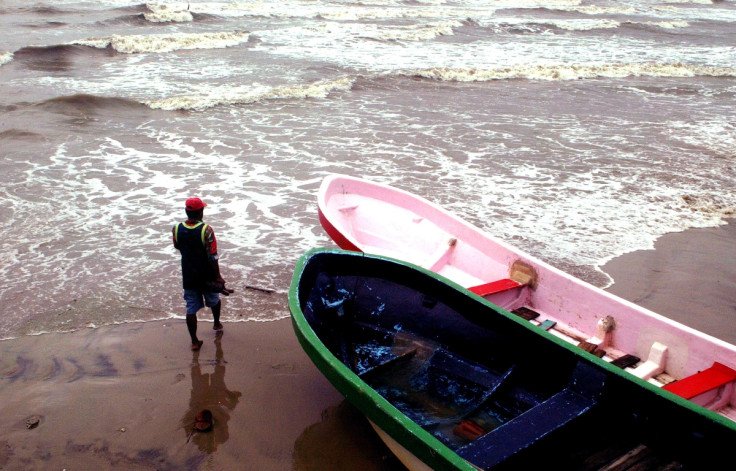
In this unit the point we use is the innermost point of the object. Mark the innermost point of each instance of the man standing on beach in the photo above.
(200, 268)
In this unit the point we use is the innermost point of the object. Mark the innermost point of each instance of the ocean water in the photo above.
(577, 130)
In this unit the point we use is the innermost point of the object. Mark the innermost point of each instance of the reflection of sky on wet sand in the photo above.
(210, 392)
(343, 439)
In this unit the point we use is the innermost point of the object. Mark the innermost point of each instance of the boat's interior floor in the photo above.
(461, 402)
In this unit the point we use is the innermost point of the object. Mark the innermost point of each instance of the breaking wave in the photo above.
(586, 25)
(538, 26)
(5, 57)
(421, 32)
(136, 44)
(596, 10)
(580, 24)
(167, 13)
(251, 94)
(668, 24)
(571, 72)
(546, 9)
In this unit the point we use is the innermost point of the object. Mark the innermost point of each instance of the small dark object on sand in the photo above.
(33, 421)
(203, 421)
(256, 288)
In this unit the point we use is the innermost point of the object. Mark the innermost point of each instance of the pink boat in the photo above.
(370, 217)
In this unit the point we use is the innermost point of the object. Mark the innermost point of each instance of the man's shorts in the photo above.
(196, 300)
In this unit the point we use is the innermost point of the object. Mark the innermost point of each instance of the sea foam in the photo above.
(160, 13)
(585, 25)
(668, 24)
(250, 94)
(596, 10)
(420, 32)
(5, 57)
(571, 72)
(135, 44)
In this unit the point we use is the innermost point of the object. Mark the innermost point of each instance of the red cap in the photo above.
(195, 204)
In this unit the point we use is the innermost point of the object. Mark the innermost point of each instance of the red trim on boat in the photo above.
(714, 377)
(494, 287)
(336, 235)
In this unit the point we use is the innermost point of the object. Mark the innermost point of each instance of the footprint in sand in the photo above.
(50, 370)
(21, 368)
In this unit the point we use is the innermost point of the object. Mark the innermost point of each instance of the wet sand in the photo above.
(125, 396)
(689, 277)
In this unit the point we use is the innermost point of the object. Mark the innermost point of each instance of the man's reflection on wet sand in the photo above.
(209, 392)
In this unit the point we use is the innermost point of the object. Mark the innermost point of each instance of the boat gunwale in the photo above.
(394, 422)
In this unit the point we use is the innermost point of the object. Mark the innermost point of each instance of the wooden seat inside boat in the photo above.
(444, 390)
(714, 377)
(494, 287)
(579, 397)
(520, 274)
(525, 313)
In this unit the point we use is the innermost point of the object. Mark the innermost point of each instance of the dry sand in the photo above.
(124, 397)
